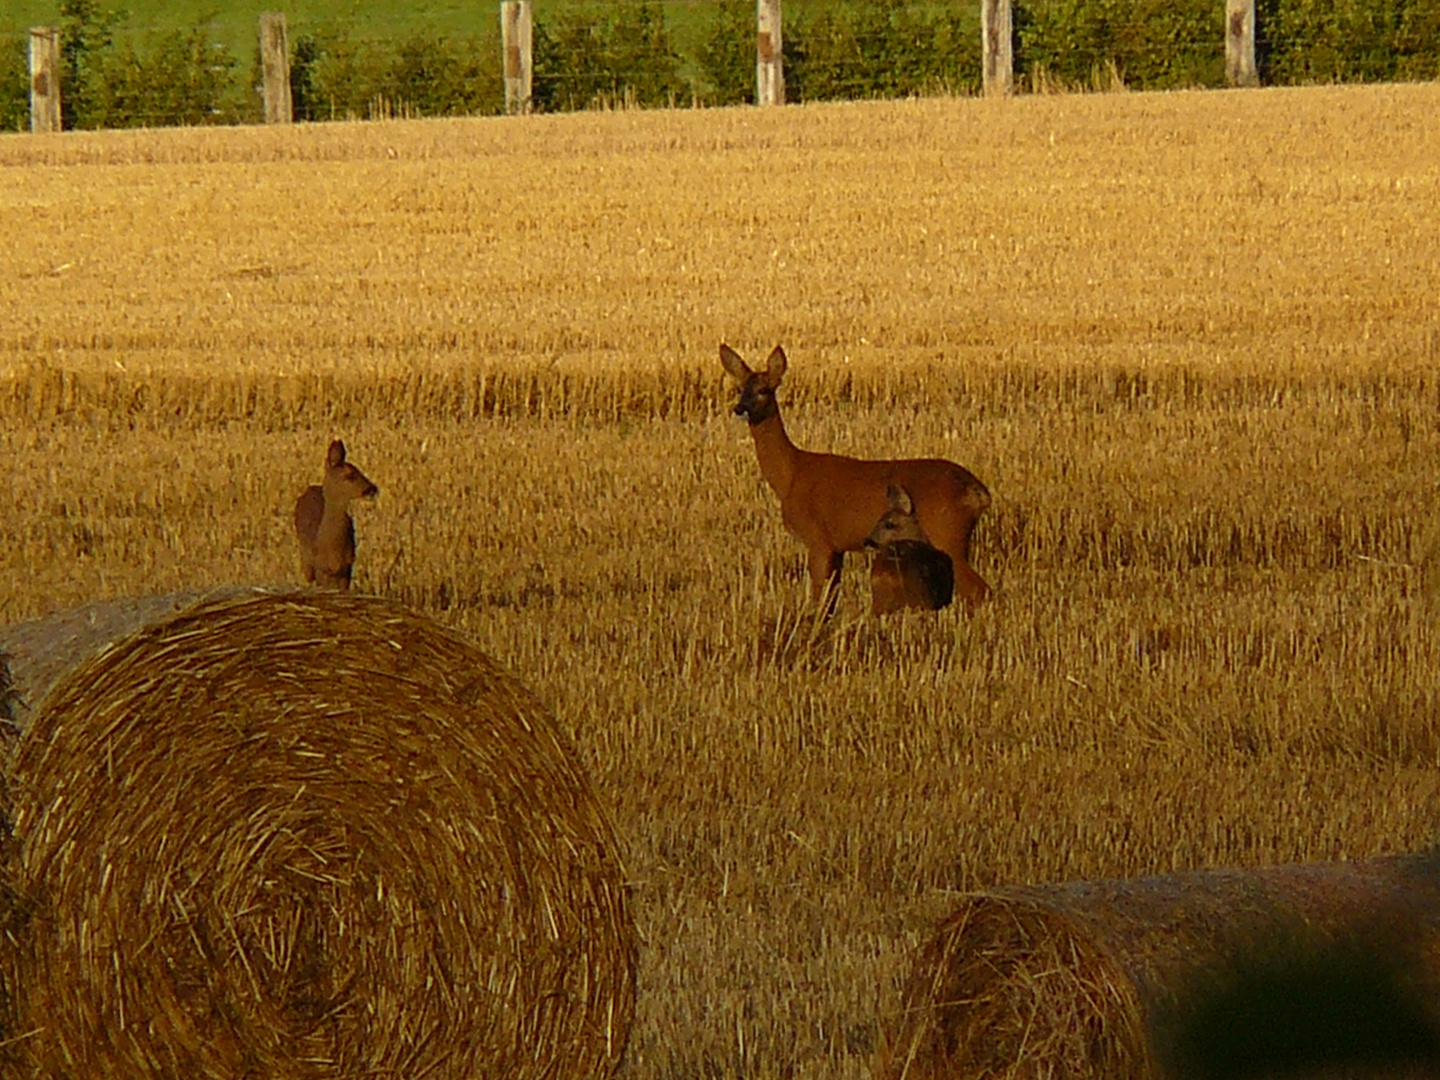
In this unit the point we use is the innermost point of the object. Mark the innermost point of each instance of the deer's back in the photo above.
(842, 497)
(309, 509)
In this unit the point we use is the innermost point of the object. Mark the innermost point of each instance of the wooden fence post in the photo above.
(516, 39)
(1240, 67)
(275, 61)
(997, 56)
(44, 79)
(769, 54)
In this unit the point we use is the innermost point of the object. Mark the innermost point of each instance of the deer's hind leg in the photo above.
(970, 588)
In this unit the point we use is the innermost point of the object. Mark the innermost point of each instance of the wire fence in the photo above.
(666, 53)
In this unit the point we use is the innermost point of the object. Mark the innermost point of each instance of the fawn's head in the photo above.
(897, 523)
(343, 481)
(757, 388)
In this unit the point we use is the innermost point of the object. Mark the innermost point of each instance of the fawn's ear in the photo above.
(336, 455)
(735, 367)
(899, 499)
(775, 366)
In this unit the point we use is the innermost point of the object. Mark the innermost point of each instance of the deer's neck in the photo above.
(776, 454)
(334, 527)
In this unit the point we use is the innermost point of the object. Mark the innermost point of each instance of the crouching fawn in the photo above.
(323, 524)
(908, 571)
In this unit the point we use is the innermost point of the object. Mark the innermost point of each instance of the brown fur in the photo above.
(907, 571)
(830, 503)
(323, 525)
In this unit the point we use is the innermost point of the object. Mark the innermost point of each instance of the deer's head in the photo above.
(343, 481)
(897, 523)
(757, 388)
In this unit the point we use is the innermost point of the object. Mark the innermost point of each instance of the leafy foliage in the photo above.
(1154, 44)
(333, 76)
(433, 76)
(1162, 44)
(185, 79)
(14, 84)
(86, 35)
(619, 54)
(727, 55)
(885, 48)
(1307, 41)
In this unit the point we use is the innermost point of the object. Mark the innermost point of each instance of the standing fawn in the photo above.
(830, 503)
(908, 571)
(323, 524)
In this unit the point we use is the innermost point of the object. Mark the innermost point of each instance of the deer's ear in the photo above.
(900, 499)
(776, 365)
(735, 367)
(336, 455)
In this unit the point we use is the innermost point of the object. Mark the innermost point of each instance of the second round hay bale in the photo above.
(308, 835)
(1201, 975)
(35, 655)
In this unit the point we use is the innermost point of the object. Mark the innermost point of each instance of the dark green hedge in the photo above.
(622, 52)
(1161, 44)
(881, 48)
(335, 77)
(1153, 44)
(15, 82)
(1308, 41)
(184, 77)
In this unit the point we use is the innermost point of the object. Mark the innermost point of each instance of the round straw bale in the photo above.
(35, 655)
(305, 835)
(1203, 975)
(9, 696)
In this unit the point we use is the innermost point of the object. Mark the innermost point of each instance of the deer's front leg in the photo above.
(825, 567)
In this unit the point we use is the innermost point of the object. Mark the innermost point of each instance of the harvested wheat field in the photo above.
(1189, 342)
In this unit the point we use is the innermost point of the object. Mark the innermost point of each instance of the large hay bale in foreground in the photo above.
(304, 835)
(1324, 968)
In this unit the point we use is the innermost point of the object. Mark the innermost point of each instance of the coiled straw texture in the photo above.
(307, 835)
(1310, 970)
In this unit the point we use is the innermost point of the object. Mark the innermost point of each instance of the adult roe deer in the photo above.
(907, 571)
(830, 503)
(323, 524)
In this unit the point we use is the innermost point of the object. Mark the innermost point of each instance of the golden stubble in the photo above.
(1188, 340)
